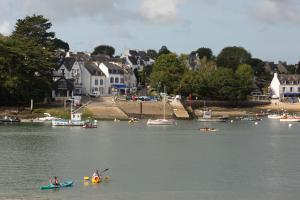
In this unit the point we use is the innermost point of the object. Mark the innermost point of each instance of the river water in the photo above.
(240, 161)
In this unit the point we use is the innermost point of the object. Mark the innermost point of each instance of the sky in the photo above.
(268, 29)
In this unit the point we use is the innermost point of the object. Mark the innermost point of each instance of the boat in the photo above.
(47, 118)
(89, 124)
(7, 118)
(62, 185)
(288, 118)
(163, 121)
(207, 117)
(75, 119)
(251, 119)
(208, 129)
(275, 116)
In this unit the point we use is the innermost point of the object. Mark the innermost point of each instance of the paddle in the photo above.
(104, 171)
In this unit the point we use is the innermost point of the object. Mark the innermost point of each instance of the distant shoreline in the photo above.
(149, 110)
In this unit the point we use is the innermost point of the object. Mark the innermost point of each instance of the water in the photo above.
(240, 161)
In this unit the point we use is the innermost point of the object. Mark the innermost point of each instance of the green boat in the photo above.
(62, 185)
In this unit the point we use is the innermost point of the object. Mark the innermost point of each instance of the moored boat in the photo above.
(207, 129)
(10, 119)
(207, 117)
(160, 122)
(288, 118)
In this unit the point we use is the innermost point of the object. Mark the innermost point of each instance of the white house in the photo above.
(94, 80)
(285, 86)
(118, 78)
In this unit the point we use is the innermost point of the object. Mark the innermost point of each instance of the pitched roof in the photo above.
(69, 62)
(133, 60)
(93, 69)
(289, 79)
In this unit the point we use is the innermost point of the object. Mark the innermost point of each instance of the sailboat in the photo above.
(163, 121)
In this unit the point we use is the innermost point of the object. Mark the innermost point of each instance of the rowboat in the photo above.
(61, 185)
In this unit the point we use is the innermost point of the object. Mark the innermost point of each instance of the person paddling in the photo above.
(55, 181)
(96, 176)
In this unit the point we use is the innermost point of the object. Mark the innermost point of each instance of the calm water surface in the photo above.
(240, 161)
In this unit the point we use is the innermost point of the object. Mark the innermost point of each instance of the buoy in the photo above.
(231, 121)
(290, 125)
(256, 123)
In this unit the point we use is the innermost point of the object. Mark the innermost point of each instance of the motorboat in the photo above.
(290, 118)
(7, 118)
(47, 118)
(208, 129)
(207, 117)
(275, 116)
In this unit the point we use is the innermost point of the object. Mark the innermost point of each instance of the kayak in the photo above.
(62, 185)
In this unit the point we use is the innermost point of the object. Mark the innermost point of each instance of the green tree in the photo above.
(163, 50)
(152, 53)
(232, 57)
(27, 60)
(167, 71)
(205, 52)
(245, 77)
(104, 49)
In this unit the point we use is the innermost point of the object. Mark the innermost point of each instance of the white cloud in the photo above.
(278, 11)
(5, 28)
(160, 10)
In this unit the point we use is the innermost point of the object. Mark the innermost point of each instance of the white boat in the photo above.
(47, 118)
(160, 122)
(207, 117)
(287, 118)
(75, 120)
(163, 121)
(275, 116)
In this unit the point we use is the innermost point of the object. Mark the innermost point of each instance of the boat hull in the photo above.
(62, 185)
(212, 119)
(67, 123)
(160, 122)
(290, 120)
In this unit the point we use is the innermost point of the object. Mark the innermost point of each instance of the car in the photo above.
(144, 98)
(94, 94)
(155, 98)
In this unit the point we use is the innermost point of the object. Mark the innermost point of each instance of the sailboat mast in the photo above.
(164, 102)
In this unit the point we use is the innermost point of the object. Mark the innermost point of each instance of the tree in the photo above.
(205, 52)
(232, 57)
(167, 71)
(152, 54)
(27, 60)
(245, 77)
(35, 28)
(104, 49)
(163, 50)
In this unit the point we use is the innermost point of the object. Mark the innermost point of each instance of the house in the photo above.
(137, 59)
(285, 86)
(93, 79)
(120, 78)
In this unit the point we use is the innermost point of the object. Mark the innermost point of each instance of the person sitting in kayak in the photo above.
(96, 176)
(55, 181)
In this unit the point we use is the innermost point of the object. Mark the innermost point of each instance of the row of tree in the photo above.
(226, 77)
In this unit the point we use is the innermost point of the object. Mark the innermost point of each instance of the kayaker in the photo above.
(55, 181)
(96, 176)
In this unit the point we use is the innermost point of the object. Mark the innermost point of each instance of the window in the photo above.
(101, 82)
(96, 89)
(298, 89)
(114, 71)
(96, 81)
(116, 80)
(122, 80)
(291, 89)
(112, 80)
(283, 89)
